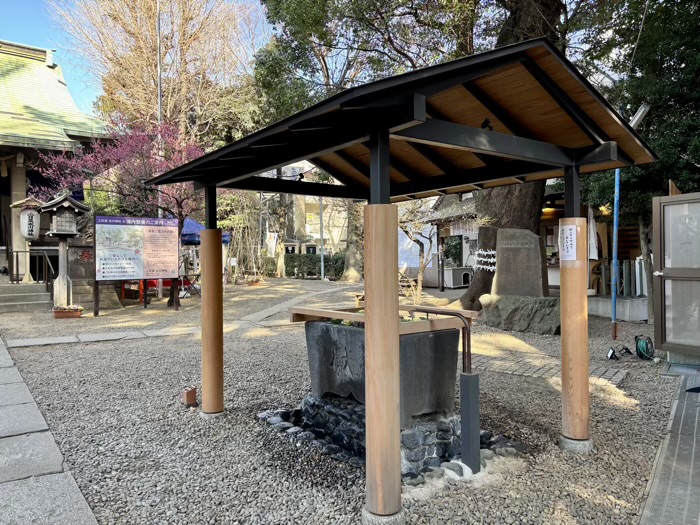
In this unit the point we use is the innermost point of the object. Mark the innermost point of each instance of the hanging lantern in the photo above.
(29, 224)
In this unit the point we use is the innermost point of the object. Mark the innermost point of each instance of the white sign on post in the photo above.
(567, 243)
(136, 248)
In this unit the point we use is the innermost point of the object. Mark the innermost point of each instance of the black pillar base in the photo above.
(471, 429)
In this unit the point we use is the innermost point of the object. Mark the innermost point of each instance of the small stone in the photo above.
(500, 451)
(416, 454)
(294, 430)
(413, 481)
(274, 420)
(305, 436)
(281, 427)
(330, 449)
(434, 473)
(454, 467)
(341, 456)
(284, 414)
(485, 436)
(411, 438)
(264, 415)
(432, 461)
(509, 451)
(487, 454)
(357, 462)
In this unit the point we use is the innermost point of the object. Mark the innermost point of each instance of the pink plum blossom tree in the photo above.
(112, 172)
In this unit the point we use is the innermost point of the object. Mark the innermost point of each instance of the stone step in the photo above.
(22, 288)
(34, 306)
(13, 298)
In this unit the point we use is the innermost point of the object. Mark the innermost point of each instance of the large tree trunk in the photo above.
(648, 269)
(482, 280)
(520, 205)
(280, 215)
(353, 254)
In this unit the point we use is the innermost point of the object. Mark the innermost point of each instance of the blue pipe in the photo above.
(615, 264)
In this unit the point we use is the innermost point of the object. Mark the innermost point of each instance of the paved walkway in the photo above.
(34, 487)
(674, 492)
(524, 365)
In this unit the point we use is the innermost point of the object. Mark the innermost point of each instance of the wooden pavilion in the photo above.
(510, 116)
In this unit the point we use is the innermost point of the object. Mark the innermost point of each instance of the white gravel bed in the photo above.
(141, 458)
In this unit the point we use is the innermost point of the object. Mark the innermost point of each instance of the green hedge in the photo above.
(303, 265)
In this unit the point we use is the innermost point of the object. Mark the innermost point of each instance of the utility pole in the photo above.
(323, 269)
(160, 122)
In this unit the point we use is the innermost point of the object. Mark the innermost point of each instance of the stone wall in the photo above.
(81, 270)
(340, 422)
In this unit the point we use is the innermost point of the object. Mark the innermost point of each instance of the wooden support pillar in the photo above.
(212, 323)
(573, 256)
(382, 382)
(212, 310)
(382, 369)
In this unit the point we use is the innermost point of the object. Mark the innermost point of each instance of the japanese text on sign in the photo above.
(567, 243)
(135, 248)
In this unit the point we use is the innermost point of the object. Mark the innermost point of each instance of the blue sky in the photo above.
(28, 22)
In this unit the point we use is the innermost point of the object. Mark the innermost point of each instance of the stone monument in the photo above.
(520, 264)
(519, 298)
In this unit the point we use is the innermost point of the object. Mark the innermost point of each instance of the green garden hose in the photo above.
(645, 347)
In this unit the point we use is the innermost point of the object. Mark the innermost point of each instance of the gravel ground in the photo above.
(239, 301)
(141, 458)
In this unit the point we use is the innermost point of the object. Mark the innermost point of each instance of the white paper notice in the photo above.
(567, 243)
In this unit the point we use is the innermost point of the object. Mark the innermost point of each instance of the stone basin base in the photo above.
(428, 367)
(428, 442)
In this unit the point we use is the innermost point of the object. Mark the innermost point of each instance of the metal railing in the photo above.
(45, 272)
(466, 332)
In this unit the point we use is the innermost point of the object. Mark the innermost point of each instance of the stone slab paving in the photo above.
(6, 361)
(674, 493)
(21, 419)
(15, 394)
(46, 500)
(10, 375)
(110, 336)
(29, 455)
(544, 368)
(34, 490)
(41, 341)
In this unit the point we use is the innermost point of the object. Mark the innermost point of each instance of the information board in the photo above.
(135, 248)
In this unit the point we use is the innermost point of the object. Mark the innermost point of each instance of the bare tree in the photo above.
(413, 223)
(206, 47)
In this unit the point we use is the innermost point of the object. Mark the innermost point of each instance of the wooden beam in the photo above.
(471, 177)
(437, 114)
(380, 182)
(571, 108)
(457, 136)
(275, 185)
(210, 210)
(508, 120)
(337, 174)
(433, 157)
(358, 166)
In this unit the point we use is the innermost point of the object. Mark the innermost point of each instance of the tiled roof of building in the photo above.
(36, 108)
